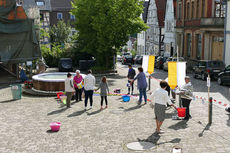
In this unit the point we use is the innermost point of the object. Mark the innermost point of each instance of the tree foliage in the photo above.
(60, 33)
(105, 25)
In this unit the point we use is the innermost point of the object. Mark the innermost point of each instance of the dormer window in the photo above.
(20, 2)
(40, 3)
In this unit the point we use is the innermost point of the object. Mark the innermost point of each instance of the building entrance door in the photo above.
(217, 48)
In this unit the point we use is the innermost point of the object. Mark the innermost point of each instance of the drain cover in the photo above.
(117, 111)
(140, 146)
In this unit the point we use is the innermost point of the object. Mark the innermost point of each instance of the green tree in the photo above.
(105, 25)
(60, 33)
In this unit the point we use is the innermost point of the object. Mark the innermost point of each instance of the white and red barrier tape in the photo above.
(203, 98)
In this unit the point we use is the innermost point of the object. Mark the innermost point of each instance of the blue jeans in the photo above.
(142, 92)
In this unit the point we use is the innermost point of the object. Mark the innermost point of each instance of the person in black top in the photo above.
(131, 75)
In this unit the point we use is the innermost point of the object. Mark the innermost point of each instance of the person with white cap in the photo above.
(78, 84)
(186, 96)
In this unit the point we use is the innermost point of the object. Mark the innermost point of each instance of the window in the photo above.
(219, 9)
(72, 17)
(40, 3)
(168, 26)
(203, 8)
(20, 2)
(59, 16)
(41, 17)
(188, 9)
(197, 8)
(189, 44)
(179, 12)
(198, 46)
(193, 13)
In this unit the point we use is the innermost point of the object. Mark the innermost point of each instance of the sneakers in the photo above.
(91, 107)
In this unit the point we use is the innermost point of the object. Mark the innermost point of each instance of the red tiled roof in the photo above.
(161, 7)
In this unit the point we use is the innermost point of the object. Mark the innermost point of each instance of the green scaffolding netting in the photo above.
(18, 41)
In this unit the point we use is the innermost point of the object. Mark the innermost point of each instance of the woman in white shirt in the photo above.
(161, 99)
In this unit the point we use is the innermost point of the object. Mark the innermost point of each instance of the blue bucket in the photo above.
(126, 98)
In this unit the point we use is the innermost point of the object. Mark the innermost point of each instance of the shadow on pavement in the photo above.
(134, 108)
(50, 131)
(8, 101)
(78, 113)
(154, 138)
(179, 125)
(95, 112)
(207, 127)
(176, 140)
(57, 111)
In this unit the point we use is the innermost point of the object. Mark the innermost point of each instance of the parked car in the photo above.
(171, 59)
(139, 60)
(160, 61)
(224, 77)
(65, 65)
(119, 58)
(204, 67)
(135, 58)
(128, 59)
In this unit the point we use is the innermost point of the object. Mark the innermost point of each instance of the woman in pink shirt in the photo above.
(78, 83)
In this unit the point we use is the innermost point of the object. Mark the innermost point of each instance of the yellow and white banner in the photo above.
(148, 64)
(176, 74)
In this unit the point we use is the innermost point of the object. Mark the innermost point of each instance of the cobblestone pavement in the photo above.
(25, 125)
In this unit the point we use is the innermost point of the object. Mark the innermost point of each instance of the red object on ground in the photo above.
(181, 112)
(59, 94)
(55, 126)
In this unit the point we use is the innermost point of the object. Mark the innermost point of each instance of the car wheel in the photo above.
(203, 76)
(219, 81)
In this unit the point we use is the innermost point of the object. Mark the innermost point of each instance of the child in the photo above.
(104, 90)
(161, 99)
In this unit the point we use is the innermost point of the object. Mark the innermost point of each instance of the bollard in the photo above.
(210, 111)
(149, 82)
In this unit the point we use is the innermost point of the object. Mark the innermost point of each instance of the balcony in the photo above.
(212, 22)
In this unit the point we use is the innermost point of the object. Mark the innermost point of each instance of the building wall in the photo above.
(227, 35)
(202, 31)
(66, 17)
(152, 34)
(170, 35)
(141, 43)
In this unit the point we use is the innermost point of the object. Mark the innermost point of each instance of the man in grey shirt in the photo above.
(186, 96)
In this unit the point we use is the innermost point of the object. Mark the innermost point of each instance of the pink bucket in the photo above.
(55, 126)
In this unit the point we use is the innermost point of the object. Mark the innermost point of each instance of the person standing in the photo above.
(78, 84)
(141, 84)
(186, 96)
(161, 100)
(131, 75)
(104, 90)
(69, 88)
(89, 84)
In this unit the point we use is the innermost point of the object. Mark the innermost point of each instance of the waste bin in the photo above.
(16, 91)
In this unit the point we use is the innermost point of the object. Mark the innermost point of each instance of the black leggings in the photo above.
(102, 99)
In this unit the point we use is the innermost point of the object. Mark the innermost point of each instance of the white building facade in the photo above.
(227, 35)
(152, 34)
(170, 31)
(141, 43)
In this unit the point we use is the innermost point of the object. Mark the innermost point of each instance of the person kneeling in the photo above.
(161, 99)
